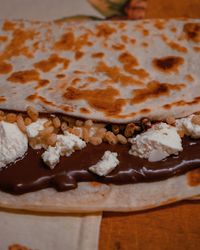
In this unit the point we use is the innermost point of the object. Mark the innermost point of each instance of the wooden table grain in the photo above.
(173, 227)
(173, 8)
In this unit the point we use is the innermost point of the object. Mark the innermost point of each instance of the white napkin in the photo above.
(49, 232)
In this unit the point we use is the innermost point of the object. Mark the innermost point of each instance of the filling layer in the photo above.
(31, 173)
(64, 151)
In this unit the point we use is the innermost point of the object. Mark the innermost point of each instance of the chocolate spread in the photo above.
(30, 173)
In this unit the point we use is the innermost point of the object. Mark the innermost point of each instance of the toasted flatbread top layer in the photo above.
(114, 71)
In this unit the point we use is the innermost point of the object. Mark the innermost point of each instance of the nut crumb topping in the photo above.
(170, 120)
(196, 119)
(87, 130)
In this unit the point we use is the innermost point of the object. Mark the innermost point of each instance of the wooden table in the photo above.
(173, 8)
(172, 227)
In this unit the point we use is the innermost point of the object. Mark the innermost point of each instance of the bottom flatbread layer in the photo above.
(92, 197)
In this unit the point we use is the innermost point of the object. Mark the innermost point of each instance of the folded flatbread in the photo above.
(113, 71)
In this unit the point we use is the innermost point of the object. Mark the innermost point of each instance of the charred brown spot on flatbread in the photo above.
(83, 40)
(140, 73)
(189, 78)
(103, 100)
(121, 25)
(84, 110)
(192, 31)
(79, 54)
(167, 106)
(145, 32)
(124, 38)
(3, 39)
(78, 72)
(31, 97)
(173, 29)
(2, 99)
(128, 58)
(126, 80)
(8, 26)
(193, 177)
(36, 46)
(66, 42)
(46, 101)
(112, 72)
(17, 46)
(145, 44)
(104, 30)
(51, 62)
(164, 38)
(196, 100)
(179, 103)
(60, 76)
(75, 81)
(66, 108)
(154, 89)
(115, 76)
(196, 49)
(91, 79)
(133, 41)
(25, 76)
(118, 46)
(84, 86)
(129, 63)
(177, 47)
(145, 111)
(159, 24)
(125, 116)
(168, 64)
(42, 83)
(5, 68)
(98, 55)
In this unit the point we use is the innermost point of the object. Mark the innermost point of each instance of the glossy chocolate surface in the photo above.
(30, 173)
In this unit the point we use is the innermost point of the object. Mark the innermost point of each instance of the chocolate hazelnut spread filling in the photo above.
(31, 174)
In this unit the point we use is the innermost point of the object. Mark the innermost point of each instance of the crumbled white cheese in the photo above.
(65, 145)
(35, 127)
(188, 127)
(68, 143)
(13, 143)
(51, 156)
(107, 163)
(158, 142)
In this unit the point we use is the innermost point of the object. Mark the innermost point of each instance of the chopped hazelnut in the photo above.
(129, 130)
(146, 123)
(115, 129)
(170, 120)
(196, 119)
